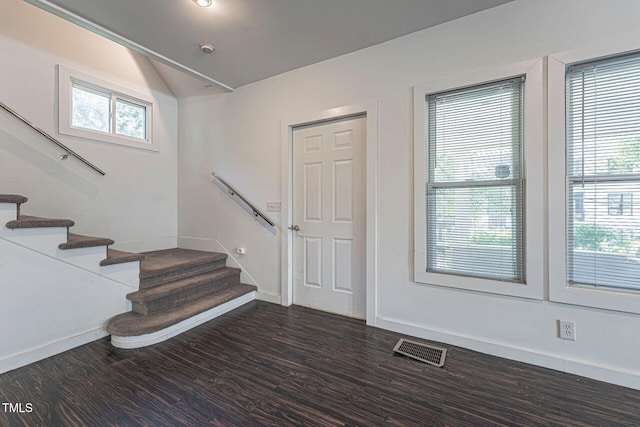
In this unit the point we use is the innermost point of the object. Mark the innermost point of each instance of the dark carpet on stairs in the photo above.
(175, 285)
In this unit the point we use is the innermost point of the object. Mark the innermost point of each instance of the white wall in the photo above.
(54, 299)
(239, 136)
(57, 306)
(135, 203)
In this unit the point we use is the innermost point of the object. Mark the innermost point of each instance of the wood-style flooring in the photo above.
(264, 364)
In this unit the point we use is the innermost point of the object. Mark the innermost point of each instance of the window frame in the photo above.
(533, 164)
(68, 77)
(618, 299)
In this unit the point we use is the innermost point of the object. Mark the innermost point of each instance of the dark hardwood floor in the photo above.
(268, 365)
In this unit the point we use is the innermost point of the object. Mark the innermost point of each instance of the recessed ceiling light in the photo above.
(203, 3)
(206, 48)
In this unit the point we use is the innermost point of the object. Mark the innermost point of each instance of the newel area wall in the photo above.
(239, 136)
(135, 203)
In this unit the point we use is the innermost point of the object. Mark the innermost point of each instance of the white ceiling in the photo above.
(254, 39)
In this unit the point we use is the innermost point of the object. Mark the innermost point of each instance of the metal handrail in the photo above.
(232, 191)
(69, 151)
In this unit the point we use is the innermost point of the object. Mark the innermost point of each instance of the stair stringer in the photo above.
(46, 241)
(49, 305)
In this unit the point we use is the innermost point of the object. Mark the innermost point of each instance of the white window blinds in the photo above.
(474, 200)
(603, 172)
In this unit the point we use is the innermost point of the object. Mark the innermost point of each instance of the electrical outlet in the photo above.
(567, 330)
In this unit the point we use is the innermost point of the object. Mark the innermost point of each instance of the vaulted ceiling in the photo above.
(255, 39)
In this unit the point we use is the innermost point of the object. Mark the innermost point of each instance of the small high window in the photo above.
(98, 110)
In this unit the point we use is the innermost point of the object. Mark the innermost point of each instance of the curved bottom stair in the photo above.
(179, 289)
(133, 330)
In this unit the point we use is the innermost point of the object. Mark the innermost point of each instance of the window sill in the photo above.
(521, 290)
(95, 136)
(597, 297)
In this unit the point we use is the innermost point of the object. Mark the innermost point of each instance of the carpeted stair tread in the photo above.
(119, 257)
(37, 222)
(134, 324)
(75, 241)
(167, 265)
(162, 291)
(172, 294)
(12, 198)
(165, 261)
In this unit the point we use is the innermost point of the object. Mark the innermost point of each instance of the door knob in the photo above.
(295, 227)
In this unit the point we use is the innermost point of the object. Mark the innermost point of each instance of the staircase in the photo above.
(179, 289)
(169, 291)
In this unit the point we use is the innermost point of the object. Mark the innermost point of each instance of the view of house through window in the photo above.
(99, 109)
(620, 204)
(603, 169)
(475, 181)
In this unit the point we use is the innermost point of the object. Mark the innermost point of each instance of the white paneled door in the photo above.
(329, 217)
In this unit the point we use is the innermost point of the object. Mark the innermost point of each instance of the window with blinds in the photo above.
(603, 172)
(475, 181)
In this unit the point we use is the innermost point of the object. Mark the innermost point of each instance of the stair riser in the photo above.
(46, 241)
(43, 240)
(8, 212)
(184, 295)
(87, 258)
(126, 273)
(148, 282)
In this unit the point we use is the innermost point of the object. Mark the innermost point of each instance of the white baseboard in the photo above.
(269, 297)
(178, 328)
(199, 244)
(213, 245)
(35, 354)
(144, 245)
(601, 373)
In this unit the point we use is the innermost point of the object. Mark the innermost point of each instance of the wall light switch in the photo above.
(273, 206)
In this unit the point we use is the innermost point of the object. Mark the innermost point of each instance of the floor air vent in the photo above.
(425, 353)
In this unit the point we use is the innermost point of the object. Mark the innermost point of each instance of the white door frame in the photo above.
(370, 109)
